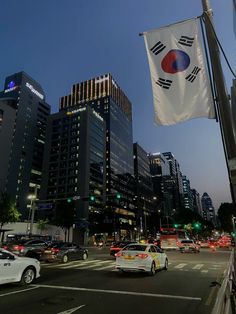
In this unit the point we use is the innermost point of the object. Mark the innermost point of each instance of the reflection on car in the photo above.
(27, 247)
(189, 246)
(64, 252)
(17, 269)
(141, 257)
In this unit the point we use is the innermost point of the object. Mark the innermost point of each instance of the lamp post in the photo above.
(32, 198)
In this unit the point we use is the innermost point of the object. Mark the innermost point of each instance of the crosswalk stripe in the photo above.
(204, 271)
(179, 266)
(94, 265)
(79, 264)
(198, 266)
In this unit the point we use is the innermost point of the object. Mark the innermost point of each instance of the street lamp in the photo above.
(32, 198)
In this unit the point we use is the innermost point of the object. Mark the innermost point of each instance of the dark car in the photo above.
(117, 246)
(64, 252)
(27, 247)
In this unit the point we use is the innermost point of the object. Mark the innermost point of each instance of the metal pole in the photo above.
(223, 105)
(32, 206)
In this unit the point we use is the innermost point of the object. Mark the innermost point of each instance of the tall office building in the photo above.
(105, 96)
(197, 205)
(188, 195)
(177, 185)
(162, 186)
(23, 114)
(74, 165)
(143, 191)
(208, 209)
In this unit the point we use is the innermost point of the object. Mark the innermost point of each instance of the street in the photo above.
(94, 286)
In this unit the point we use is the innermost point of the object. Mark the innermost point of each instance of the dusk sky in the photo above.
(62, 42)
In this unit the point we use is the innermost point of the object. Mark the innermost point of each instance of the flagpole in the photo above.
(223, 104)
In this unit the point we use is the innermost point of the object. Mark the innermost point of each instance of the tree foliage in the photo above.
(64, 216)
(225, 214)
(8, 210)
(42, 224)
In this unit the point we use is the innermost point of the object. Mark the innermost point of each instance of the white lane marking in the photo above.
(72, 310)
(182, 265)
(169, 296)
(80, 264)
(204, 271)
(14, 292)
(198, 266)
(95, 265)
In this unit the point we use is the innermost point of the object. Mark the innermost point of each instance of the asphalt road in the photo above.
(93, 286)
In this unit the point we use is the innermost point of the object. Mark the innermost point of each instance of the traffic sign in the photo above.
(75, 198)
(45, 206)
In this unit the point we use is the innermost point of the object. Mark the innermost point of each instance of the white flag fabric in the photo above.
(234, 16)
(181, 88)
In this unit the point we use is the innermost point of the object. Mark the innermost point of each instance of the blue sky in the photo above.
(61, 42)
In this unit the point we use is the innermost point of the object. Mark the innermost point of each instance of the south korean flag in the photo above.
(180, 84)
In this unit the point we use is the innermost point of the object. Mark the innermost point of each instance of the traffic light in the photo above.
(92, 198)
(69, 200)
(176, 225)
(118, 196)
(197, 225)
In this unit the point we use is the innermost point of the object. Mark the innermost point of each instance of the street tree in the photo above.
(225, 214)
(8, 211)
(42, 224)
(64, 215)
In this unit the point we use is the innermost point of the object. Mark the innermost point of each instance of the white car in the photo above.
(141, 257)
(17, 269)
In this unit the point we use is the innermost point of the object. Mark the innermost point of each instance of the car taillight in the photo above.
(5, 247)
(54, 250)
(142, 255)
(119, 254)
(19, 248)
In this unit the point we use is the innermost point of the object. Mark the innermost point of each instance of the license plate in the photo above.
(47, 252)
(129, 257)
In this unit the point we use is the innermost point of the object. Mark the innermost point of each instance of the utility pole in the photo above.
(223, 104)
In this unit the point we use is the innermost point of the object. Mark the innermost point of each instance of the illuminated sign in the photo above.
(100, 80)
(33, 90)
(76, 110)
(10, 87)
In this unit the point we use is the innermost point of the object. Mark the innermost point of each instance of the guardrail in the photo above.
(225, 300)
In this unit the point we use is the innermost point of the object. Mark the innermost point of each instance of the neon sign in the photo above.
(10, 87)
(33, 90)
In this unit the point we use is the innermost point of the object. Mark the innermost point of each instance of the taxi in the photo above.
(17, 269)
(141, 257)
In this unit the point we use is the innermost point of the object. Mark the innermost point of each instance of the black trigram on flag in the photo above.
(186, 41)
(157, 48)
(191, 77)
(164, 83)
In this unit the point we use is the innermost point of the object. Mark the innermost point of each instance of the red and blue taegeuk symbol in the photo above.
(175, 61)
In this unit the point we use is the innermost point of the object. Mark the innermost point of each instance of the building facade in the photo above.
(208, 209)
(74, 164)
(105, 96)
(23, 115)
(145, 211)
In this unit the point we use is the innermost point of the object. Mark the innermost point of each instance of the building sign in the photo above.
(10, 87)
(33, 90)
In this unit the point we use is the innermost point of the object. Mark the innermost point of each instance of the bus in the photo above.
(170, 238)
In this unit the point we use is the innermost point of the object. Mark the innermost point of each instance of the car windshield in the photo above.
(135, 247)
